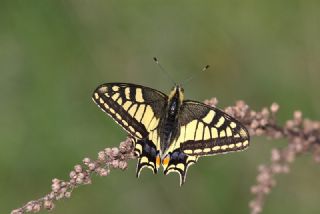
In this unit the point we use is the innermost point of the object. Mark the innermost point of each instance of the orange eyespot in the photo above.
(166, 160)
(158, 161)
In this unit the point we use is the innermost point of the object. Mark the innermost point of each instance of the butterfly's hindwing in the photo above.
(147, 155)
(136, 108)
(206, 130)
(178, 162)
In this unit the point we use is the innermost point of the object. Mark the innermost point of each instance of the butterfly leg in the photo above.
(147, 155)
(178, 161)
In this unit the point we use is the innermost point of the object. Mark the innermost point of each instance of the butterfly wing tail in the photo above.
(147, 153)
(179, 162)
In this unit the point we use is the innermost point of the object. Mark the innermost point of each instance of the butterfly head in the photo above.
(177, 93)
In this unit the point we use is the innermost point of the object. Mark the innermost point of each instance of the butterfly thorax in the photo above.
(168, 125)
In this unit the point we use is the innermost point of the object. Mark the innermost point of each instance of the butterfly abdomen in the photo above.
(168, 128)
(168, 132)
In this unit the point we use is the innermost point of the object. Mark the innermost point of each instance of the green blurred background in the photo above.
(53, 54)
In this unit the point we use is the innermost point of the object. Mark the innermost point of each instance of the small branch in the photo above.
(303, 136)
(109, 158)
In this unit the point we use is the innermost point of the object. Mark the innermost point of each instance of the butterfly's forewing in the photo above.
(205, 130)
(138, 110)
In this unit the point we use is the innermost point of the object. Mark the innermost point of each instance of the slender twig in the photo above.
(109, 158)
(303, 136)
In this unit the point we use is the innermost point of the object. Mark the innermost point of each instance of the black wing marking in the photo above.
(205, 130)
(136, 108)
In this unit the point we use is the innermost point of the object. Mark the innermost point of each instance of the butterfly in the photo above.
(169, 131)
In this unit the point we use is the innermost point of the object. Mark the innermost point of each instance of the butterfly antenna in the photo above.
(164, 71)
(190, 78)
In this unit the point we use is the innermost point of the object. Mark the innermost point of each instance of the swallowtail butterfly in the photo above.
(169, 131)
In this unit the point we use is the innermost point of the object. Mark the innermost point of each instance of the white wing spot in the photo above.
(112, 111)
(220, 122)
(222, 133)
(214, 132)
(124, 123)
(197, 151)
(106, 106)
(139, 148)
(118, 116)
(115, 96)
(207, 133)
(229, 132)
(208, 118)
(233, 125)
(216, 148)
(131, 129)
(103, 89)
(224, 147)
(206, 150)
(180, 166)
(115, 88)
(119, 101)
(231, 146)
(189, 151)
(139, 97)
(138, 134)
(126, 105)
(243, 133)
(127, 93)
(144, 160)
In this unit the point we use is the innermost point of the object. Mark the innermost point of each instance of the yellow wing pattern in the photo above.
(205, 130)
(137, 109)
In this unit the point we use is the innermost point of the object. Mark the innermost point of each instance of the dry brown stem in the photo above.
(109, 158)
(303, 136)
